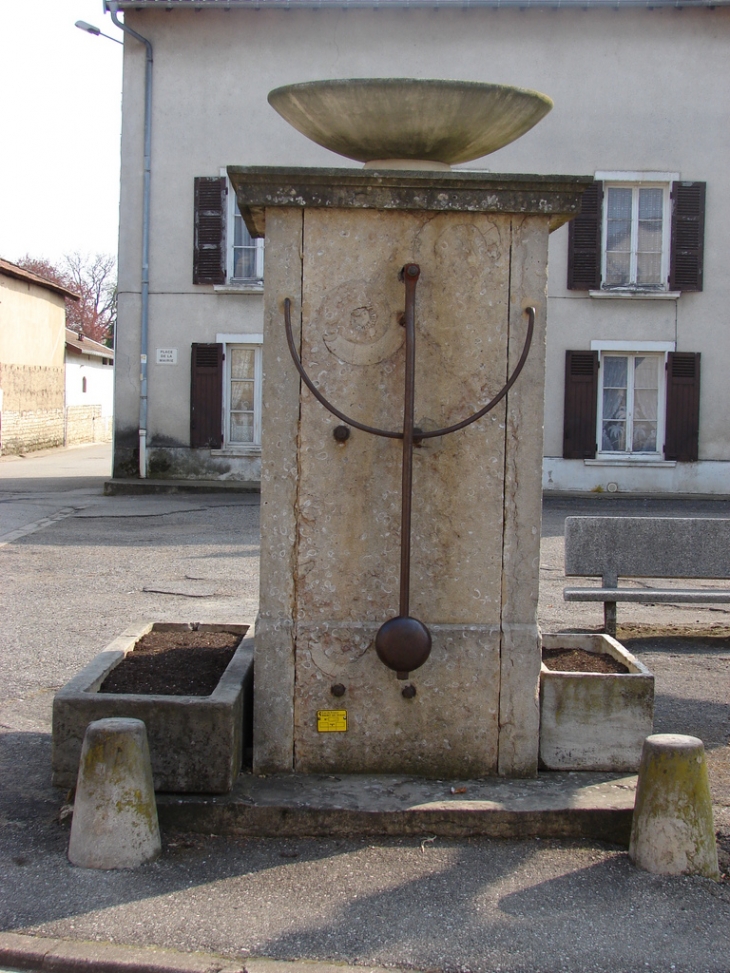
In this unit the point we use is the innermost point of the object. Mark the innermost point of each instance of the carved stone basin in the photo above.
(407, 123)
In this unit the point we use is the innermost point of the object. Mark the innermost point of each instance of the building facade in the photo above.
(32, 341)
(637, 344)
(89, 390)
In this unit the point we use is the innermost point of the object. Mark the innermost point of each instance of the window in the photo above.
(225, 393)
(635, 239)
(245, 254)
(83, 383)
(632, 388)
(242, 395)
(224, 252)
(638, 233)
(636, 402)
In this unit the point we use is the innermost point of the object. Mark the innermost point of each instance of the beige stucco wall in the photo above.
(32, 335)
(32, 324)
(624, 100)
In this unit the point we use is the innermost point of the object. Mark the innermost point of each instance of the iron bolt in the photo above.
(341, 433)
(338, 689)
(408, 692)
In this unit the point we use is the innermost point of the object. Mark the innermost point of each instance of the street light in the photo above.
(112, 7)
(90, 29)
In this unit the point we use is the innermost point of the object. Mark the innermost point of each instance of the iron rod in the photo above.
(411, 273)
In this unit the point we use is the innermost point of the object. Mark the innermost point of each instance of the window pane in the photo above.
(242, 395)
(615, 371)
(619, 203)
(618, 236)
(651, 204)
(644, 437)
(614, 404)
(241, 236)
(242, 362)
(649, 268)
(614, 436)
(645, 404)
(241, 427)
(244, 263)
(650, 236)
(618, 268)
(646, 372)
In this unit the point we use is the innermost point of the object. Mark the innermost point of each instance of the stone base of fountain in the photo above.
(552, 805)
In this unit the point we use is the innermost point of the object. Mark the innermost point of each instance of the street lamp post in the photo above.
(113, 7)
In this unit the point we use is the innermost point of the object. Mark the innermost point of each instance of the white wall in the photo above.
(99, 383)
(625, 99)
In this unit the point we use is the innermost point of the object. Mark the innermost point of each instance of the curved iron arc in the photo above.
(315, 391)
(422, 434)
(433, 433)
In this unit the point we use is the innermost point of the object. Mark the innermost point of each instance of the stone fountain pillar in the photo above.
(336, 240)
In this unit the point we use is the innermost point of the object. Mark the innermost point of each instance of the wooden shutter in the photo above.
(206, 395)
(209, 255)
(584, 242)
(683, 407)
(581, 398)
(688, 236)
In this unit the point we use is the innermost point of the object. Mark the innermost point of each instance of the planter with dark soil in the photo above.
(596, 704)
(191, 684)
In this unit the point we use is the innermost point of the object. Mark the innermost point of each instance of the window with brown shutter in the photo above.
(581, 396)
(209, 255)
(584, 242)
(688, 236)
(206, 395)
(683, 407)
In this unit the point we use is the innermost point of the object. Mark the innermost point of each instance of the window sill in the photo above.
(630, 461)
(238, 288)
(636, 295)
(252, 450)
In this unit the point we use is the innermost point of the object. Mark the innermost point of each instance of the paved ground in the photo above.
(69, 586)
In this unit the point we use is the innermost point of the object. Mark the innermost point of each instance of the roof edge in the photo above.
(86, 345)
(12, 270)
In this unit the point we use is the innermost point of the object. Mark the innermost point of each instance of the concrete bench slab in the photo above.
(646, 547)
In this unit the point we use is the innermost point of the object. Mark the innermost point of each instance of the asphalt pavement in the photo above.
(76, 568)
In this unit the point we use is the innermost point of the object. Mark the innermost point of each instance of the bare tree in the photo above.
(91, 276)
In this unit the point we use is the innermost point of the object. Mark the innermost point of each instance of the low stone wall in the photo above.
(23, 432)
(86, 424)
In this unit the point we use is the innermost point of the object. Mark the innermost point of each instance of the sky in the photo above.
(60, 119)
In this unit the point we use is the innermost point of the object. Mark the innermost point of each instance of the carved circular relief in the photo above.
(358, 329)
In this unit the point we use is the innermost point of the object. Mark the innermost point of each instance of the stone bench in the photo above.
(646, 547)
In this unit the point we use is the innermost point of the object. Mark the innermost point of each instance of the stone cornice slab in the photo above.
(260, 187)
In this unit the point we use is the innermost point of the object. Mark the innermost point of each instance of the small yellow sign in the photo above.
(331, 720)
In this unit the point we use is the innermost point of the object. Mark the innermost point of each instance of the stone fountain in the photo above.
(397, 626)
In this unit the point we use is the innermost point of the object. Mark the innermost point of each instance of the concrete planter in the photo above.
(196, 742)
(594, 721)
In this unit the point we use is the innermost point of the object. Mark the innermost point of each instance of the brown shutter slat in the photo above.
(688, 236)
(206, 395)
(584, 242)
(581, 397)
(681, 441)
(209, 254)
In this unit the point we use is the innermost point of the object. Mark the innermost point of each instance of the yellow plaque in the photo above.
(331, 720)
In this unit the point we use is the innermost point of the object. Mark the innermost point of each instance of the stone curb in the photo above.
(41, 954)
(121, 488)
(50, 955)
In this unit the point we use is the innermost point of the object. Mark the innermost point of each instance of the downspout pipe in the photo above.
(113, 8)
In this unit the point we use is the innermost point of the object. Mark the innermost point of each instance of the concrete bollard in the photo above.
(114, 821)
(672, 831)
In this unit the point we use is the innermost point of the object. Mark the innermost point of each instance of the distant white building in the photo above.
(638, 290)
(89, 390)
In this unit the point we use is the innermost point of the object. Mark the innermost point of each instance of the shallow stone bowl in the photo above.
(397, 120)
